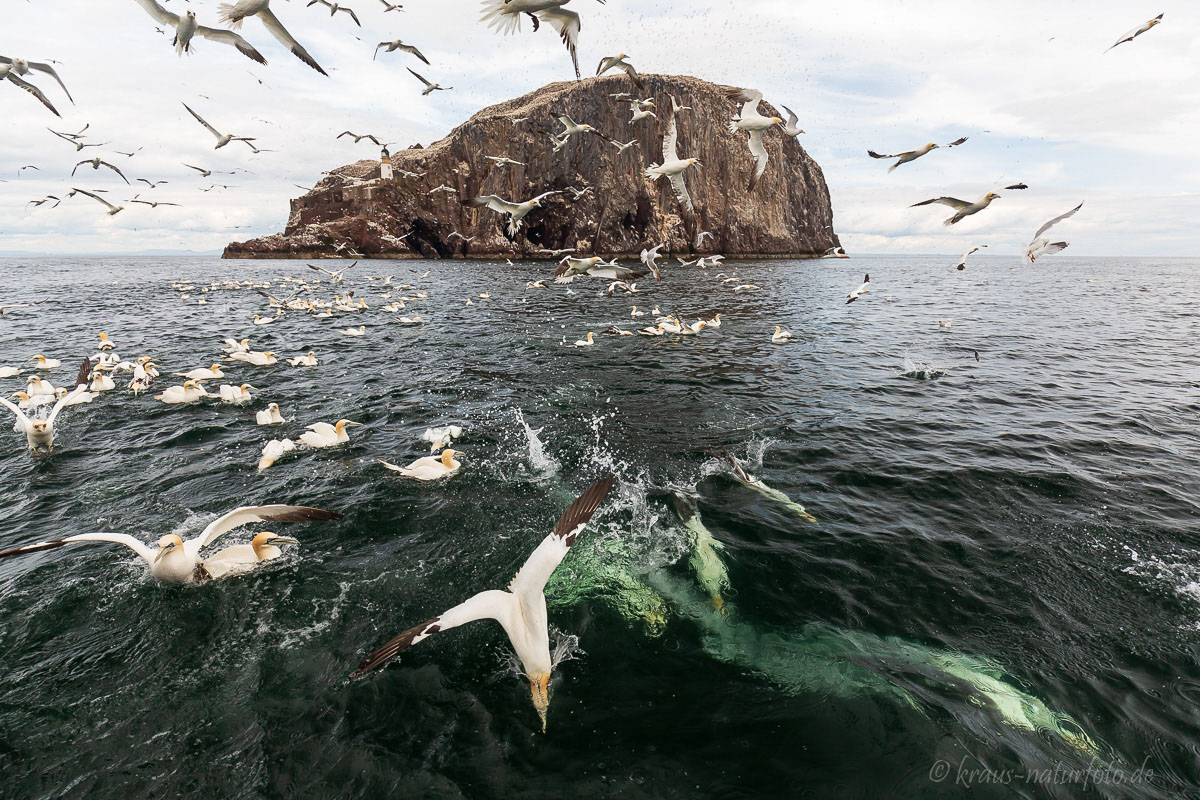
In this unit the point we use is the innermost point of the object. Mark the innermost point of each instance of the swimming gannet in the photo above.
(585, 342)
(749, 481)
(189, 392)
(242, 558)
(309, 360)
(37, 387)
(74, 398)
(46, 363)
(235, 394)
(270, 415)
(263, 359)
(1041, 245)
(105, 342)
(521, 610)
(441, 437)
(39, 433)
(101, 383)
(361, 330)
(861, 290)
(429, 468)
(233, 346)
(322, 434)
(635, 313)
(781, 335)
(176, 560)
(913, 155)
(263, 320)
(273, 451)
(9, 372)
(202, 374)
(705, 558)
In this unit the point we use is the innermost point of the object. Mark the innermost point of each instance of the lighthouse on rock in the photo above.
(385, 165)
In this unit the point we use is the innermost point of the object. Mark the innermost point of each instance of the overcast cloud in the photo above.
(1026, 81)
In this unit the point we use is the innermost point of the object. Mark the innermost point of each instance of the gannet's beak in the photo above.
(164, 551)
(284, 540)
(355, 424)
(539, 688)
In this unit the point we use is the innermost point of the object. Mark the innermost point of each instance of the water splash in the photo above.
(919, 370)
(544, 465)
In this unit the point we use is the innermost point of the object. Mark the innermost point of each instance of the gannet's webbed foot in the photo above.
(537, 23)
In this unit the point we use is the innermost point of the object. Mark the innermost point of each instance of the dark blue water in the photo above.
(1001, 591)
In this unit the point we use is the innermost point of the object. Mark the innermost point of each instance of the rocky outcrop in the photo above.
(786, 215)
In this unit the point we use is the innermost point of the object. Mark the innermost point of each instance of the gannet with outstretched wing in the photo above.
(791, 128)
(516, 211)
(620, 63)
(19, 66)
(176, 560)
(97, 163)
(334, 8)
(962, 209)
(1042, 246)
(521, 610)
(6, 71)
(399, 44)
(430, 87)
(39, 433)
(222, 138)
(1129, 36)
(913, 155)
(962, 262)
(673, 167)
(111, 208)
(754, 123)
(505, 17)
(186, 28)
(233, 14)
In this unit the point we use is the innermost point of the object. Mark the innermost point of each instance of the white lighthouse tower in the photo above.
(385, 165)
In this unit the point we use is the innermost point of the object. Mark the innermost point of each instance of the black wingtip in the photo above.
(85, 373)
(579, 512)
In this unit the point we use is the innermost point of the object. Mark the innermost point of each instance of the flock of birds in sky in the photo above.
(521, 609)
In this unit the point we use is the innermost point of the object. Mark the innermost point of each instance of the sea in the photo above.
(969, 565)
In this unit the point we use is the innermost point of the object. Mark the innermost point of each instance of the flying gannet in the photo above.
(620, 63)
(650, 259)
(334, 8)
(6, 71)
(39, 433)
(233, 14)
(186, 28)
(913, 155)
(176, 560)
(790, 127)
(11, 68)
(1042, 246)
(334, 276)
(430, 87)
(505, 17)
(399, 45)
(962, 262)
(754, 123)
(97, 163)
(861, 290)
(429, 468)
(672, 168)
(112, 210)
(222, 138)
(962, 208)
(1129, 36)
(521, 610)
(516, 211)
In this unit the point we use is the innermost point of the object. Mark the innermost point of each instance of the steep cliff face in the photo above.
(787, 214)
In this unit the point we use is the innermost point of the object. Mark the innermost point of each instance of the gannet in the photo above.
(740, 475)
(1041, 245)
(309, 360)
(657, 330)
(241, 558)
(430, 87)
(233, 15)
(571, 127)
(635, 313)
(176, 560)
(622, 147)
(781, 335)
(521, 610)
(189, 392)
(38, 387)
(639, 111)
(270, 415)
(112, 210)
(334, 8)
(516, 211)
(232, 346)
(1129, 36)
(361, 330)
(101, 383)
(586, 341)
(46, 363)
(96, 164)
(861, 290)
(264, 359)
(945, 323)
(441, 437)
(504, 161)
(273, 451)
(704, 558)
(235, 394)
(12, 67)
(9, 372)
(620, 63)
(752, 122)
(74, 398)
(39, 433)
(322, 434)
(962, 262)
(913, 155)
(962, 208)
(715, 322)
(105, 342)
(429, 468)
(398, 45)
(212, 373)
(186, 28)
(222, 138)
(672, 168)
(790, 127)
(334, 276)
(535, 284)
(613, 330)
(505, 17)
(571, 268)
(6, 71)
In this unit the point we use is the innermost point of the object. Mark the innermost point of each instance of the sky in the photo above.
(1027, 82)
